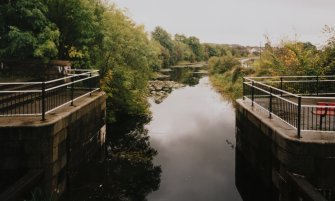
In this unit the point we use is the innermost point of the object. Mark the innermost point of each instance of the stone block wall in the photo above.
(274, 149)
(58, 146)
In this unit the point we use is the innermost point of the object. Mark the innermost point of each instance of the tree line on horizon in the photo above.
(289, 58)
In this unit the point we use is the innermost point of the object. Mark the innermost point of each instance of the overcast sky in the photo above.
(235, 21)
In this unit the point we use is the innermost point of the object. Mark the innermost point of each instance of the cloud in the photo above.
(234, 21)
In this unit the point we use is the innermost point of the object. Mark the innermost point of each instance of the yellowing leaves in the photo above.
(74, 53)
(289, 58)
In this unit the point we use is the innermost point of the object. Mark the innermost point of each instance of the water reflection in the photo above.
(193, 131)
(126, 172)
(172, 79)
(186, 76)
(253, 183)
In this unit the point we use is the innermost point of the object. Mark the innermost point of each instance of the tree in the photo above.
(183, 52)
(26, 32)
(327, 55)
(220, 65)
(211, 50)
(126, 59)
(164, 38)
(79, 22)
(327, 59)
(180, 38)
(196, 47)
(289, 58)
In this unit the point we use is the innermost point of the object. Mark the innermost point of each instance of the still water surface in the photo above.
(185, 151)
(193, 130)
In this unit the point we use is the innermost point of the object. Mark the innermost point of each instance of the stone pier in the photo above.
(56, 147)
(297, 168)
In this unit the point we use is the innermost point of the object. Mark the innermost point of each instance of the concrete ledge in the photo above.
(285, 135)
(53, 117)
(313, 155)
(70, 136)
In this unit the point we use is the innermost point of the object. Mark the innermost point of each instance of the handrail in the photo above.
(67, 77)
(16, 83)
(22, 91)
(290, 100)
(66, 84)
(317, 97)
(41, 98)
(276, 89)
(302, 76)
(318, 106)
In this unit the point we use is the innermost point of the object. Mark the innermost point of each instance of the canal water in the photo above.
(193, 130)
(184, 151)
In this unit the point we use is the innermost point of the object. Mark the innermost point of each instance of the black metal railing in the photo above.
(41, 98)
(301, 85)
(307, 103)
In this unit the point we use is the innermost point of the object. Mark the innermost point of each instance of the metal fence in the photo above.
(307, 103)
(41, 98)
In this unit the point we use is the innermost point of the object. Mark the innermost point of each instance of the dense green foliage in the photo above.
(168, 54)
(226, 75)
(26, 32)
(222, 64)
(327, 58)
(288, 58)
(89, 33)
(81, 29)
(178, 49)
(218, 50)
(129, 58)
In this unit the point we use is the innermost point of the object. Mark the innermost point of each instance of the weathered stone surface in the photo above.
(58, 146)
(266, 142)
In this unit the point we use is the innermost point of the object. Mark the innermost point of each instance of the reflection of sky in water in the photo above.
(190, 130)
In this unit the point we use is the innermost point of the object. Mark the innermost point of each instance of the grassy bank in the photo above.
(226, 76)
(226, 87)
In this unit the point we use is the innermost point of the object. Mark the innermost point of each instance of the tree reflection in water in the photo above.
(126, 172)
(186, 76)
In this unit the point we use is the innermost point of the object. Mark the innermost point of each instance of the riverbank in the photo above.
(228, 89)
(226, 75)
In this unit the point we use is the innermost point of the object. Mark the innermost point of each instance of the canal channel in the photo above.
(184, 151)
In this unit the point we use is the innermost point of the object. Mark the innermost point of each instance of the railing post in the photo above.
(243, 89)
(72, 90)
(281, 86)
(90, 83)
(270, 104)
(317, 85)
(98, 80)
(299, 117)
(43, 101)
(252, 93)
